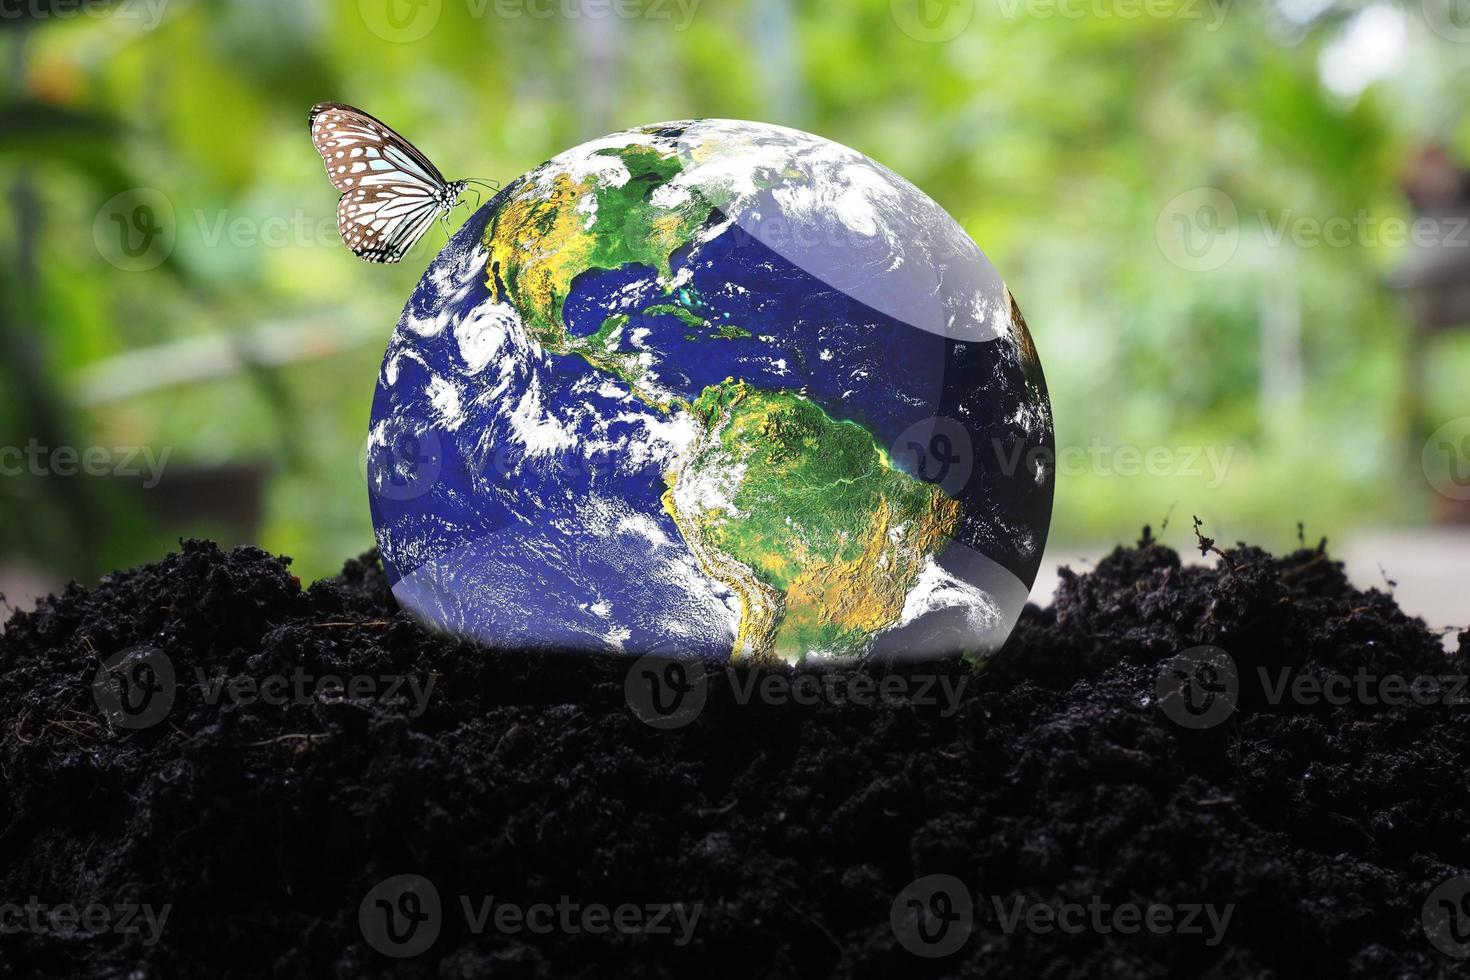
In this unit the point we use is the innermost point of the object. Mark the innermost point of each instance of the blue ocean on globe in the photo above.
(714, 389)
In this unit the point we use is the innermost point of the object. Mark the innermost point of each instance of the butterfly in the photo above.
(391, 193)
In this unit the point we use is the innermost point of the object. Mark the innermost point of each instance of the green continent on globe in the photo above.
(805, 518)
(546, 235)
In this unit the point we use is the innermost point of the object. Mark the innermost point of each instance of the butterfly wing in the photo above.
(391, 193)
(382, 223)
(355, 145)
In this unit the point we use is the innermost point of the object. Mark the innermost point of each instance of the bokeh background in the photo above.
(1238, 231)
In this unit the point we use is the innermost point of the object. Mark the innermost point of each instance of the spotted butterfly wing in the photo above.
(391, 193)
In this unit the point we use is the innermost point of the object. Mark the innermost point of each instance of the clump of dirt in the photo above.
(1061, 775)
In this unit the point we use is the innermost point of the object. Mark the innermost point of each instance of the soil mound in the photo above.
(173, 739)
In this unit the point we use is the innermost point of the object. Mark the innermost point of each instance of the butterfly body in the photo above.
(391, 193)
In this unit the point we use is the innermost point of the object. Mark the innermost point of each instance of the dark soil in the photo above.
(1057, 779)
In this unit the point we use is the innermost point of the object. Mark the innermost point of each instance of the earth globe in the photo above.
(713, 389)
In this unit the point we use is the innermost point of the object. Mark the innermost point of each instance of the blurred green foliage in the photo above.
(1057, 134)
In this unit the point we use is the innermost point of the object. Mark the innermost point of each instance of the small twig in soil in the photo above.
(1207, 545)
(819, 924)
(712, 812)
(20, 722)
(1292, 573)
(70, 728)
(286, 738)
(375, 623)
